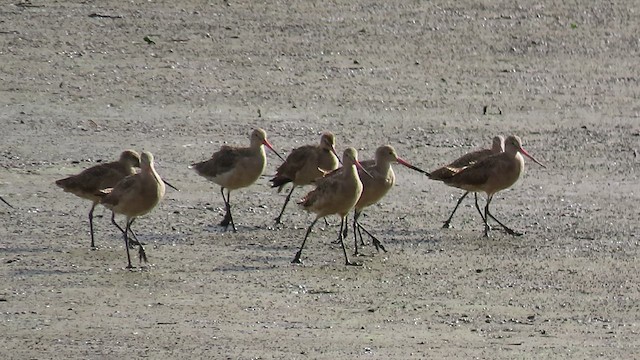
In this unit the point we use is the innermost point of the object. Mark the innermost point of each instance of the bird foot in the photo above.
(379, 245)
(352, 263)
(446, 225)
(513, 232)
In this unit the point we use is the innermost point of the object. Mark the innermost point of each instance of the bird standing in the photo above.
(334, 195)
(376, 183)
(491, 175)
(134, 196)
(304, 165)
(90, 181)
(466, 160)
(236, 167)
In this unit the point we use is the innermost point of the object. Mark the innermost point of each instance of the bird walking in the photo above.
(491, 175)
(376, 183)
(236, 167)
(134, 196)
(90, 181)
(466, 160)
(334, 195)
(304, 165)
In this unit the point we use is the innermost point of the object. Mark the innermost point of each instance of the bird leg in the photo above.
(133, 241)
(507, 229)
(484, 219)
(286, 201)
(142, 255)
(5, 201)
(344, 230)
(344, 249)
(126, 243)
(296, 259)
(93, 244)
(478, 206)
(374, 239)
(447, 223)
(227, 216)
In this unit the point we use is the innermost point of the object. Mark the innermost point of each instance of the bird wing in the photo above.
(222, 161)
(94, 178)
(128, 185)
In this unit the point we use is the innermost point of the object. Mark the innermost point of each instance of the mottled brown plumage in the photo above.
(334, 195)
(493, 174)
(236, 167)
(134, 196)
(304, 165)
(463, 161)
(376, 183)
(89, 182)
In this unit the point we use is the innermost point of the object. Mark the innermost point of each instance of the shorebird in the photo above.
(304, 165)
(491, 175)
(236, 167)
(379, 179)
(466, 160)
(89, 182)
(336, 194)
(134, 196)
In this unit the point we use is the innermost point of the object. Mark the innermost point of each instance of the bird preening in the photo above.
(355, 186)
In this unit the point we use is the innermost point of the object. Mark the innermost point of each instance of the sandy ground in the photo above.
(76, 89)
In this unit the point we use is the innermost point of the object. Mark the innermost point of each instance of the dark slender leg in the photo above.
(142, 255)
(505, 227)
(228, 218)
(286, 201)
(5, 201)
(93, 244)
(485, 218)
(125, 233)
(374, 239)
(133, 241)
(356, 231)
(344, 248)
(344, 230)
(478, 207)
(296, 259)
(447, 223)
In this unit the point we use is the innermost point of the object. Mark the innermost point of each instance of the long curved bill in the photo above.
(169, 185)
(402, 162)
(267, 144)
(333, 150)
(359, 166)
(525, 153)
(5, 201)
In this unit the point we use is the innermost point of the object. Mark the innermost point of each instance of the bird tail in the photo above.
(279, 182)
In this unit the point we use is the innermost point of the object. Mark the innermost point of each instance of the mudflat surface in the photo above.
(79, 84)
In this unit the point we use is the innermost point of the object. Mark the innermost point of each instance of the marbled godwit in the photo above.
(134, 196)
(304, 165)
(336, 194)
(90, 181)
(376, 186)
(5, 201)
(491, 175)
(466, 160)
(235, 167)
